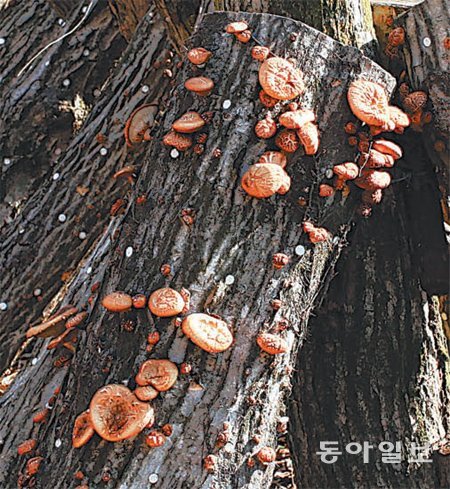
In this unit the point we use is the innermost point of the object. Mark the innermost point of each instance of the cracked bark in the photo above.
(232, 234)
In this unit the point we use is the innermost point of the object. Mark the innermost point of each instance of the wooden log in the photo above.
(232, 236)
(129, 13)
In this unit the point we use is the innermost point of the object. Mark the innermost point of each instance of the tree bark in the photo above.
(129, 13)
(37, 251)
(232, 235)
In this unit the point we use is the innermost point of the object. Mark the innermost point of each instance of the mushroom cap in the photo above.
(125, 172)
(274, 157)
(295, 119)
(266, 455)
(280, 79)
(346, 171)
(373, 180)
(272, 343)
(263, 180)
(287, 140)
(309, 137)
(139, 121)
(54, 325)
(326, 190)
(285, 186)
(67, 337)
(161, 374)
(146, 393)
(76, 320)
(166, 302)
(267, 100)
(244, 36)
(117, 414)
(266, 128)
(155, 439)
(209, 333)
(189, 122)
(372, 196)
(236, 27)
(179, 141)
(396, 37)
(368, 101)
(317, 235)
(199, 84)
(398, 117)
(199, 56)
(388, 147)
(117, 302)
(260, 53)
(375, 159)
(415, 101)
(83, 430)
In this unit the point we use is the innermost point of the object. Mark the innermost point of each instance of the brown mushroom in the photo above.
(236, 27)
(274, 157)
(309, 137)
(267, 100)
(271, 343)
(373, 180)
(295, 119)
(54, 325)
(285, 186)
(166, 302)
(260, 53)
(117, 302)
(368, 101)
(398, 117)
(209, 333)
(127, 172)
(280, 79)
(139, 301)
(76, 320)
(189, 122)
(199, 85)
(244, 36)
(266, 455)
(140, 121)
(375, 159)
(161, 374)
(326, 190)
(388, 147)
(266, 128)
(117, 414)
(345, 171)
(155, 439)
(179, 141)
(415, 101)
(396, 37)
(199, 56)
(83, 430)
(146, 393)
(67, 339)
(263, 180)
(287, 140)
(316, 234)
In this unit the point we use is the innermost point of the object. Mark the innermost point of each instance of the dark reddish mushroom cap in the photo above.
(189, 122)
(140, 121)
(199, 56)
(181, 142)
(201, 85)
(83, 430)
(117, 414)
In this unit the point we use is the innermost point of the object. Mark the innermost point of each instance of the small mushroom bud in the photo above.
(352, 141)
(280, 260)
(139, 301)
(350, 128)
(280, 79)
(396, 37)
(210, 463)
(146, 393)
(155, 439)
(153, 338)
(369, 102)
(189, 122)
(372, 197)
(276, 304)
(166, 269)
(271, 343)
(415, 101)
(41, 416)
(200, 85)
(83, 430)
(364, 210)
(316, 234)
(127, 172)
(185, 368)
(236, 27)
(26, 447)
(267, 100)
(287, 140)
(266, 128)
(199, 56)
(244, 36)
(167, 429)
(166, 302)
(117, 302)
(266, 455)
(326, 190)
(260, 53)
(33, 465)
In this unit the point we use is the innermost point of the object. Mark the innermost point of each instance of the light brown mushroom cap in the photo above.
(125, 172)
(200, 85)
(54, 326)
(139, 122)
(285, 186)
(274, 157)
(166, 302)
(179, 141)
(117, 414)
(236, 27)
(189, 122)
(209, 333)
(199, 56)
(295, 119)
(309, 137)
(159, 373)
(373, 180)
(117, 302)
(368, 101)
(83, 430)
(346, 171)
(263, 180)
(280, 79)
(271, 343)
(398, 117)
(146, 393)
(388, 147)
(375, 159)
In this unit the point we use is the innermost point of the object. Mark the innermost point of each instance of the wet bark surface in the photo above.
(232, 235)
(36, 248)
